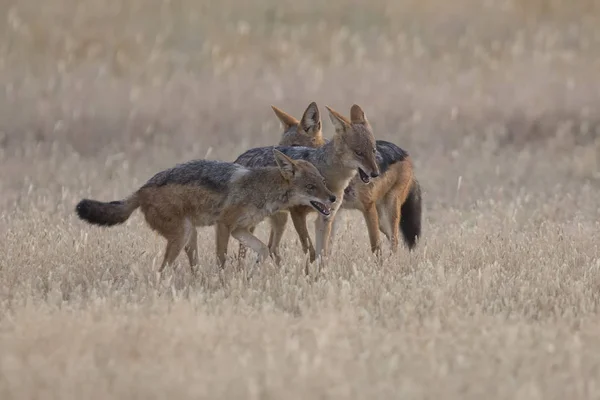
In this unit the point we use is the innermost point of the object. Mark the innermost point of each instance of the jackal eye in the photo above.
(374, 151)
(310, 186)
(358, 153)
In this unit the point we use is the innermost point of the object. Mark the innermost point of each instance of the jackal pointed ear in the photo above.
(311, 120)
(286, 165)
(357, 115)
(286, 119)
(340, 123)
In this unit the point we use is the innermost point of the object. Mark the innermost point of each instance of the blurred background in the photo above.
(473, 89)
(497, 101)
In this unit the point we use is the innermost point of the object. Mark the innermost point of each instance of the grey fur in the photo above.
(263, 156)
(387, 153)
(211, 174)
(291, 132)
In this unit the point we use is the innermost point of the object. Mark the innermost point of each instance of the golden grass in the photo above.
(497, 103)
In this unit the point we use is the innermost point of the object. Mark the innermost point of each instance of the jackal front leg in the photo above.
(322, 233)
(335, 223)
(248, 239)
(242, 250)
(278, 222)
(299, 220)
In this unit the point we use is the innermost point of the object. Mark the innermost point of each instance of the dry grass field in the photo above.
(497, 101)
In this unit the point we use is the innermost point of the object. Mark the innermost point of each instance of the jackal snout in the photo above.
(368, 166)
(307, 185)
(316, 191)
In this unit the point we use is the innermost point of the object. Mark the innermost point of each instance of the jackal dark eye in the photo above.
(374, 151)
(358, 153)
(310, 186)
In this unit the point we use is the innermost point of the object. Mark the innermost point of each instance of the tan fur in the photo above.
(174, 210)
(286, 119)
(380, 201)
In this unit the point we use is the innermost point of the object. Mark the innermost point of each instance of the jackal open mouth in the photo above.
(363, 176)
(320, 207)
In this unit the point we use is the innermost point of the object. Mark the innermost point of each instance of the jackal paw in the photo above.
(158, 277)
(377, 250)
(312, 255)
(276, 258)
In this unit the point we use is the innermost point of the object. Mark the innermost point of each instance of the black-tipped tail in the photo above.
(106, 214)
(410, 219)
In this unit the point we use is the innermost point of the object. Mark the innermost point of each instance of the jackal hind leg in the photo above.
(384, 220)
(395, 206)
(191, 250)
(222, 233)
(177, 236)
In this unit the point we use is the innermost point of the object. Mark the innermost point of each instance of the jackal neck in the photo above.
(271, 190)
(331, 165)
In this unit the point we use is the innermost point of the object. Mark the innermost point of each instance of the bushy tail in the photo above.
(410, 219)
(107, 214)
